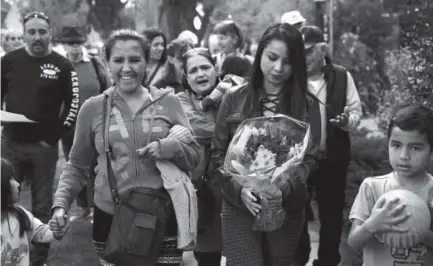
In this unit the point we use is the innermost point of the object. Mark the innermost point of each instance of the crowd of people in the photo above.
(152, 118)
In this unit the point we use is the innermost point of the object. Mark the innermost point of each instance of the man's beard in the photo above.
(41, 50)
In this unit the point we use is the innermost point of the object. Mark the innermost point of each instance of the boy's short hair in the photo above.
(413, 117)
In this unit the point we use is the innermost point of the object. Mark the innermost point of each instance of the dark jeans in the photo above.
(329, 182)
(208, 258)
(85, 197)
(38, 164)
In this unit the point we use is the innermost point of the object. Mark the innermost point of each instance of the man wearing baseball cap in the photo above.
(294, 18)
(340, 111)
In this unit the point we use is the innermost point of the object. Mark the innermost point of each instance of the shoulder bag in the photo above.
(140, 216)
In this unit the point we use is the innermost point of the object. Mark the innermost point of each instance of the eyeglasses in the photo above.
(15, 38)
(36, 15)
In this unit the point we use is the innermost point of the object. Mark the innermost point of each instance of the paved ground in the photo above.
(76, 247)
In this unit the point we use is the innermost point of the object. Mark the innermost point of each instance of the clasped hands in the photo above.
(252, 201)
(59, 223)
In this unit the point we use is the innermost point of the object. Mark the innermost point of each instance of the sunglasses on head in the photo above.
(195, 50)
(36, 15)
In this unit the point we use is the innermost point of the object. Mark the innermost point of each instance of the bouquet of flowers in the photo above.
(262, 155)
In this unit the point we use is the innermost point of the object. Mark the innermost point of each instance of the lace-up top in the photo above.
(269, 104)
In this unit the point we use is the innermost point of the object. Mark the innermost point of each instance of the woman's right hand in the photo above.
(250, 201)
(59, 215)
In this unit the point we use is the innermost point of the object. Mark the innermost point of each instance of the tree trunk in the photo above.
(104, 16)
(170, 17)
(176, 16)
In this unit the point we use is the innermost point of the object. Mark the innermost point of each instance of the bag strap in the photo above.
(106, 111)
(152, 76)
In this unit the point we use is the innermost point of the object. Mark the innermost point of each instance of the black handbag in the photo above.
(140, 216)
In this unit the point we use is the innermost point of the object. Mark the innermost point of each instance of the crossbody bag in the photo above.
(140, 216)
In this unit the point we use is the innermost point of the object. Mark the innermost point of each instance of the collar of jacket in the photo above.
(328, 70)
(155, 93)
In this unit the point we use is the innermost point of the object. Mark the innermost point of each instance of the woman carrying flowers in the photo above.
(278, 85)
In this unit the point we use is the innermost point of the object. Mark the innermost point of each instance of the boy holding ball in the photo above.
(410, 144)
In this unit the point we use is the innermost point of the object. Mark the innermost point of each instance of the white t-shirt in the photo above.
(376, 253)
(15, 249)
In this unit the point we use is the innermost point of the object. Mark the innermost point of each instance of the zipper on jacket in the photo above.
(134, 141)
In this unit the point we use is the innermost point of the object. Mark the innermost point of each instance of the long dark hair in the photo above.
(8, 207)
(192, 52)
(293, 99)
(151, 34)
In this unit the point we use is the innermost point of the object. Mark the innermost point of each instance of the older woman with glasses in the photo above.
(13, 40)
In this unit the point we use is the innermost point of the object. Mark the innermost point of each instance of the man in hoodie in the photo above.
(340, 113)
(43, 86)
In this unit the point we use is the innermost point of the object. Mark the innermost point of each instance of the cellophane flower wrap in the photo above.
(261, 155)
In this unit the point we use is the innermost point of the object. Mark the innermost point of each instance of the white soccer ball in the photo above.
(418, 223)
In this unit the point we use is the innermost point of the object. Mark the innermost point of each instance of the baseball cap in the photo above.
(312, 35)
(292, 17)
(189, 36)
